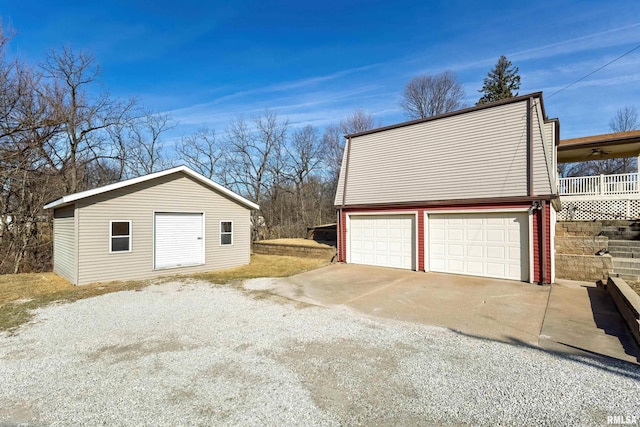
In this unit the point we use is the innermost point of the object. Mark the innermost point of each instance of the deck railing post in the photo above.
(601, 184)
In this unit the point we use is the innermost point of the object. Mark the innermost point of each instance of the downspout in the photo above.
(339, 231)
(543, 240)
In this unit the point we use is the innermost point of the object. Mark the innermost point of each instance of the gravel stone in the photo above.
(192, 353)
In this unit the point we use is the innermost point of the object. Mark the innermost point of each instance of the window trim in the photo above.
(226, 233)
(111, 236)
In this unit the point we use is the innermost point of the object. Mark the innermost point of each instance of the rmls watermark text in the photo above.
(622, 420)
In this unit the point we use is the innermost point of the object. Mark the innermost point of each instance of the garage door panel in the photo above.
(473, 221)
(396, 247)
(496, 252)
(438, 264)
(474, 267)
(495, 235)
(437, 233)
(396, 233)
(383, 240)
(437, 249)
(475, 250)
(473, 235)
(455, 234)
(179, 240)
(455, 250)
(455, 265)
(514, 270)
(495, 269)
(382, 246)
(482, 244)
(500, 222)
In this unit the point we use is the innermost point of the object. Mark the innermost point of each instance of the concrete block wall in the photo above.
(578, 228)
(580, 245)
(576, 245)
(585, 268)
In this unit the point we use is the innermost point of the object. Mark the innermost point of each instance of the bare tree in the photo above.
(145, 145)
(25, 180)
(333, 147)
(254, 161)
(84, 117)
(358, 121)
(429, 95)
(305, 155)
(334, 137)
(625, 120)
(202, 152)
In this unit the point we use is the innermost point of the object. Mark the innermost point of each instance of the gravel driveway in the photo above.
(198, 354)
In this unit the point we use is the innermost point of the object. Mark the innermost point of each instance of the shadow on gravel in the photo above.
(595, 360)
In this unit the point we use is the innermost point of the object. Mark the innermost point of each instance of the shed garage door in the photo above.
(179, 239)
(487, 244)
(382, 240)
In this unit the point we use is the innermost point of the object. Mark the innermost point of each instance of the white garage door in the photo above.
(179, 239)
(382, 240)
(488, 244)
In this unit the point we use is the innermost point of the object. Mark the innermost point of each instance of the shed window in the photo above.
(120, 236)
(226, 233)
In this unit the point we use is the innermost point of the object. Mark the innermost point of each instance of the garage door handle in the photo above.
(199, 238)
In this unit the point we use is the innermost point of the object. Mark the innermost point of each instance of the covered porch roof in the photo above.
(599, 147)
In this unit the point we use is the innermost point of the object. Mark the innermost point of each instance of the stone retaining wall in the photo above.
(576, 245)
(294, 250)
(581, 245)
(576, 257)
(585, 268)
(578, 228)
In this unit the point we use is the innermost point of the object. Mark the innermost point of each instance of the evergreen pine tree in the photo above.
(501, 82)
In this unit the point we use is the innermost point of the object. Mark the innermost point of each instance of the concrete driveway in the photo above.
(570, 317)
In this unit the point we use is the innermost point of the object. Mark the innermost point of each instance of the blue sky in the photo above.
(316, 62)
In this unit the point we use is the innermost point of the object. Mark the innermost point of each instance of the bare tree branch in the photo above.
(429, 95)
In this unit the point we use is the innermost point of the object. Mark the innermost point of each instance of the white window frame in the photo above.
(111, 237)
(225, 233)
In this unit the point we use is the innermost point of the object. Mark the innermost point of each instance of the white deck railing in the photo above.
(601, 185)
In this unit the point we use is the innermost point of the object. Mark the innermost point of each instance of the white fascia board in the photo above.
(206, 181)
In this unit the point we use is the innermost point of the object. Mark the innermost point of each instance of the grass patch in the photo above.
(20, 294)
(263, 266)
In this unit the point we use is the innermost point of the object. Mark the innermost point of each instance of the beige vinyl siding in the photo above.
(341, 178)
(542, 156)
(550, 132)
(64, 243)
(171, 193)
(479, 154)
